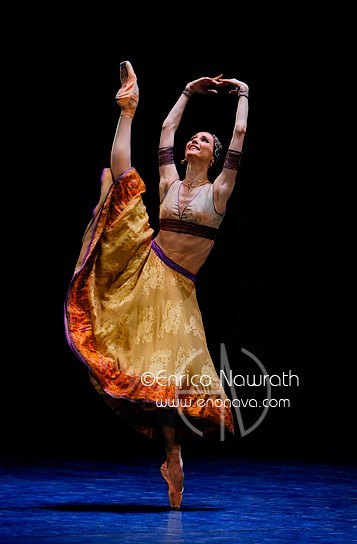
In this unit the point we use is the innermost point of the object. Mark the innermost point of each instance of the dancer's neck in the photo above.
(196, 175)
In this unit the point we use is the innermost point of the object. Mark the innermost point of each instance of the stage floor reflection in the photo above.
(225, 500)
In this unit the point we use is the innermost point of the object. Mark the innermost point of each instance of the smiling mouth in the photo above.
(194, 147)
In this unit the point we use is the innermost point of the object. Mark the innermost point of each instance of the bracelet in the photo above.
(187, 92)
(243, 93)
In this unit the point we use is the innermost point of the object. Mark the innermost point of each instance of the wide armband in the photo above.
(232, 160)
(166, 156)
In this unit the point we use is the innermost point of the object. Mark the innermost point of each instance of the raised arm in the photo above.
(167, 168)
(224, 183)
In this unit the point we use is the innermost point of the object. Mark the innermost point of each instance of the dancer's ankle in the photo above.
(173, 447)
(127, 113)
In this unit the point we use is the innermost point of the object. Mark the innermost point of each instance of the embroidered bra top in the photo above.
(198, 218)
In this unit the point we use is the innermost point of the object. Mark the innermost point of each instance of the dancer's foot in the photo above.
(128, 94)
(172, 472)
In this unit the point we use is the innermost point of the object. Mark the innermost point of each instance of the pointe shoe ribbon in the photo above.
(128, 95)
(175, 497)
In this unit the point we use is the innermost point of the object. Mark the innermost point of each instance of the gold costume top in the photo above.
(199, 210)
(198, 221)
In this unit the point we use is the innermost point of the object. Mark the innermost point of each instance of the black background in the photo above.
(272, 283)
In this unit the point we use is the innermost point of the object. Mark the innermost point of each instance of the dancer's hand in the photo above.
(240, 86)
(201, 85)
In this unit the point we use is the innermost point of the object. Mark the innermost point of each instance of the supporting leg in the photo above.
(172, 468)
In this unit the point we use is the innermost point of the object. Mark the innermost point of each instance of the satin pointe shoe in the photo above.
(175, 497)
(128, 95)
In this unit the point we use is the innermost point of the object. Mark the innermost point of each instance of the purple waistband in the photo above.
(157, 249)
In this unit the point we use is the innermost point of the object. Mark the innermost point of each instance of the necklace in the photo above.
(190, 186)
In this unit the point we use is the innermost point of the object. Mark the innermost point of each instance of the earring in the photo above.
(183, 161)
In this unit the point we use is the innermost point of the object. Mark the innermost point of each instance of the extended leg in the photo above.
(127, 98)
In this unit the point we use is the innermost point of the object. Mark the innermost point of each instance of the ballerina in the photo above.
(131, 308)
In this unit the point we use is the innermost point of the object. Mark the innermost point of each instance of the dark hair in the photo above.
(217, 147)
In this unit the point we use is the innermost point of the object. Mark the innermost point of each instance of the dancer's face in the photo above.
(200, 146)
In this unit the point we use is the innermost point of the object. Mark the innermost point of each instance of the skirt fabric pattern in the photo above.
(135, 323)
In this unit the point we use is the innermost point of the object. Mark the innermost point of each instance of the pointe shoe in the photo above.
(128, 95)
(175, 497)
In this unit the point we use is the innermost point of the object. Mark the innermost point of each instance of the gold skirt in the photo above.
(135, 323)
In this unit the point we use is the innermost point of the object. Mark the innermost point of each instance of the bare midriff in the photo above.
(185, 249)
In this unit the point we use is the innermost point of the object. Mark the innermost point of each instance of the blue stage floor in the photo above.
(225, 500)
